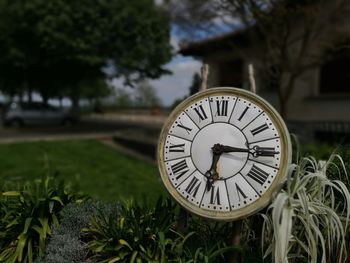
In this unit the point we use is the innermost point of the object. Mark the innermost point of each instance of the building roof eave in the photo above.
(224, 42)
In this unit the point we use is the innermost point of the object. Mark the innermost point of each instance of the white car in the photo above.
(19, 114)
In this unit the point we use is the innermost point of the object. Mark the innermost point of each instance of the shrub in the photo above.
(28, 214)
(66, 243)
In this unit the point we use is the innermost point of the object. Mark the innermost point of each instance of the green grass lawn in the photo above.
(97, 169)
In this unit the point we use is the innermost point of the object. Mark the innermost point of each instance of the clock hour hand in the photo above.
(212, 175)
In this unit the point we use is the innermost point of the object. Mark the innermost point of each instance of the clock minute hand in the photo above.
(263, 151)
(256, 151)
(228, 149)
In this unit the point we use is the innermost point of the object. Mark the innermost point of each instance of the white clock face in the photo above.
(221, 153)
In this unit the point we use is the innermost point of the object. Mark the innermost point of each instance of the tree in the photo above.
(123, 98)
(146, 96)
(51, 46)
(94, 90)
(282, 34)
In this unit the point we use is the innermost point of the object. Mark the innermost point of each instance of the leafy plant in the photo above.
(308, 219)
(28, 214)
(209, 242)
(130, 232)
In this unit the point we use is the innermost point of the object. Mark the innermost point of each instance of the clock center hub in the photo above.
(229, 164)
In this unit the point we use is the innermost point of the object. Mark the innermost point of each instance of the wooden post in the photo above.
(182, 223)
(237, 225)
(205, 74)
(236, 241)
(252, 85)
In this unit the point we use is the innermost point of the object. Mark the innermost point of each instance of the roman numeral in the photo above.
(177, 148)
(179, 169)
(243, 113)
(221, 107)
(201, 113)
(193, 187)
(215, 196)
(259, 129)
(258, 175)
(240, 193)
(187, 129)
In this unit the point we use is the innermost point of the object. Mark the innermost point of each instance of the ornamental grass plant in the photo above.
(308, 220)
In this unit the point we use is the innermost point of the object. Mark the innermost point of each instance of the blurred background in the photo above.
(85, 86)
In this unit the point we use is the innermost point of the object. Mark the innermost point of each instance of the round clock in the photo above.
(223, 152)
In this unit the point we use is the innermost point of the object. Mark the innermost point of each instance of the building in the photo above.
(319, 106)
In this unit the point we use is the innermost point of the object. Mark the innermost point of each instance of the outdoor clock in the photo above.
(222, 153)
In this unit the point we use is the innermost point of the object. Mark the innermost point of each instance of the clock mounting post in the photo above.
(237, 225)
(222, 154)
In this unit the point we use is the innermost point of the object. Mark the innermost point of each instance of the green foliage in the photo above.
(209, 242)
(94, 89)
(132, 233)
(123, 98)
(28, 214)
(308, 219)
(50, 47)
(146, 96)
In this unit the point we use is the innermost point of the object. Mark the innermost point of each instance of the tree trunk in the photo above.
(288, 92)
(45, 98)
(20, 97)
(283, 107)
(30, 95)
(75, 104)
(235, 256)
(281, 98)
(182, 223)
(60, 101)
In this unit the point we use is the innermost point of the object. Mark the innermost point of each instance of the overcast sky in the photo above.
(175, 86)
